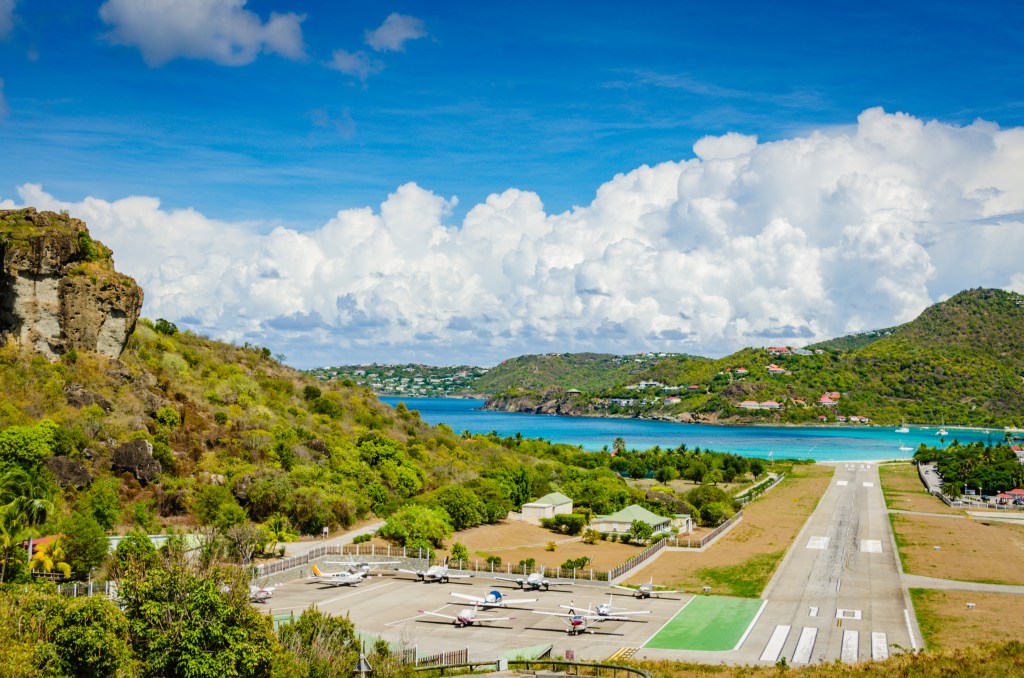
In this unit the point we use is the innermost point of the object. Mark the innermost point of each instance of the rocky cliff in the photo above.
(58, 287)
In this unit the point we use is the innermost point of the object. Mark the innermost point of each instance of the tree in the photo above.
(279, 529)
(49, 557)
(164, 604)
(89, 637)
(317, 644)
(417, 522)
(104, 502)
(85, 543)
(245, 540)
(27, 446)
(665, 474)
(639, 531)
(24, 504)
(165, 327)
(463, 507)
(459, 552)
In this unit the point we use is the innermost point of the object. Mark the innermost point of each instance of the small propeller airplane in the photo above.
(647, 590)
(364, 566)
(345, 578)
(259, 594)
(577, 622)
(465, 617)
(493, 599)
(534, 582)
(437, 573)
(607, 611)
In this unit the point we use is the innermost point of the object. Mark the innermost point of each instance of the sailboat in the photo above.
(942, 431)
(903, 428)
(904, 448)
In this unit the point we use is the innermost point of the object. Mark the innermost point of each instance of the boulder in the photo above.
(68, 472)
(77, 396)
(136, 457)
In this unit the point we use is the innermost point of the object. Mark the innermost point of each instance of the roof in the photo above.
(553, 499)
(634, 512)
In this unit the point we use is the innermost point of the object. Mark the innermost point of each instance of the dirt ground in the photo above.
(680, 486)
(513, 541)
(947, 624)
(904, 490)
(970, 550)
(769, 525)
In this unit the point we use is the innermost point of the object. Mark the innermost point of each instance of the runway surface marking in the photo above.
(812, 612)
(354, 593)
(848, 614)
(871, 546)
(709, 623)
(842, 483)
(774, 647)
(819, 543)
(851, 640)
(879, 646)
(869, 484)
(805, 645)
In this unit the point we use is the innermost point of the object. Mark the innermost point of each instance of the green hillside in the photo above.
(589, 372)
(960, 362)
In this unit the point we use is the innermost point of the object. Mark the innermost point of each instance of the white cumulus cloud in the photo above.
(222, 31)
(396, 30)
(358, 64)
(746, 243)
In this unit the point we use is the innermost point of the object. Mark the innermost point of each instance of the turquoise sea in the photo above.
(835, 443)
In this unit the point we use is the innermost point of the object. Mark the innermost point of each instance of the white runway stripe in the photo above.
(805, 645)
(851, 641)
(879, 646)
(774, 647)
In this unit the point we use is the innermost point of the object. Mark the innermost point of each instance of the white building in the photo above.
(547, 506)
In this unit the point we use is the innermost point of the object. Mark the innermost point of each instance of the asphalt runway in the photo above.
(838, 594)
(387, 607)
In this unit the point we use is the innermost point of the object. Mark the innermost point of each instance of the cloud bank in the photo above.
(746, 243)
(222, 31)
(6, 18)
(396, 30)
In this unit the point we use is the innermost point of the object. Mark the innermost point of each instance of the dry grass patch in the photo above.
(947, 624)
(742, 561)
(514, 541)
(969, 550)
(904, 490)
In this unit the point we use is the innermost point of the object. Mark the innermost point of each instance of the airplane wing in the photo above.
(418, 573)
(451, 575)
(516, 601)
(567, 615)
(474, 599)
(438, 614)
(477, 620)
(515, 581)
(658, 592)
(336, 581)
(624, 588)
(624, 615)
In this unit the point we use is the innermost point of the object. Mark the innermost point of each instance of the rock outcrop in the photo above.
(68, 472)
(136, 457)
(58, 287)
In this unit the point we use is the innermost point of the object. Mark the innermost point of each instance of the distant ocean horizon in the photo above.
(820, 443)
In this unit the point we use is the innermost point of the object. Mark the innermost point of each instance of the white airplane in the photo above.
(466, 617)
(260, 595)
(493, 599)
(364, 566)
(437, 573)
(576, 621)
(344, 578)
(605, 611)
(534, 582)
(647, 590)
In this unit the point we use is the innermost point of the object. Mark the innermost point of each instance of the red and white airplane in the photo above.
(465, 617)
(607, 611)
(493, 599)
(577, 621)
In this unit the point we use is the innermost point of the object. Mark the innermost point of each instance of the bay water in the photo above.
(855, 442)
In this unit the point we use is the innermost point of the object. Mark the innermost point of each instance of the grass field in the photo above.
(969, 550)
(903, 490)
(743, 561)
(513, 541)
(708, 623)
(947, 624)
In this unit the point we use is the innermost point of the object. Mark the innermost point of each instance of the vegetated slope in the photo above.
(587, 372)
(855, 341)
(960, 362)
(269, 437)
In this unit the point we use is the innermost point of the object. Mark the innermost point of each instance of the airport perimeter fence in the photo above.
(637, 560)
(92, 588)
(570, 668)
(710, 536)
(756, 491)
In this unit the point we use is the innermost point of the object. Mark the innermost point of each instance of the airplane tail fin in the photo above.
(316, 571)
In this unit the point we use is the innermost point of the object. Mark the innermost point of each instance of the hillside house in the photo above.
(775, 369)
(779, 350)
(620, 521)
(547, 506)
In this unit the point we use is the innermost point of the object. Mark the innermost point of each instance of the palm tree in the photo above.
(50, 556)
(24, 504)
(279, 529)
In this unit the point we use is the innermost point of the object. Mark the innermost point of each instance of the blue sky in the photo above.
(273, 127)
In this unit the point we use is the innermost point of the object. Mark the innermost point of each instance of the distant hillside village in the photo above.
(410, 380)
